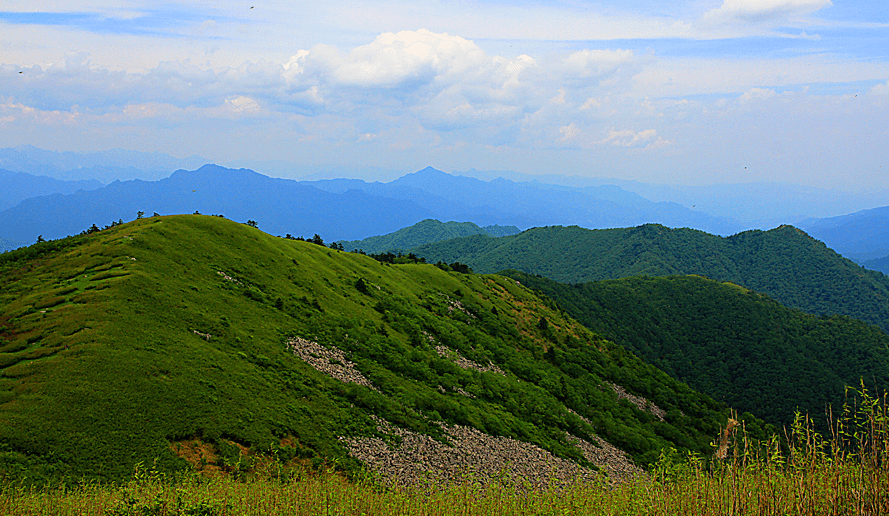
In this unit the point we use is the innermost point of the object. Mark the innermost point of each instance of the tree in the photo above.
(252, 223)
(317, 239)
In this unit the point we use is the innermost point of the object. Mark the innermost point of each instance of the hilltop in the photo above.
(196, 342)
(785, 263)
(424, 232)
(738, 346)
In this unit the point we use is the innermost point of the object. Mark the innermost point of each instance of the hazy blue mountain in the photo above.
(18, 186)
(529, 204)
(280, 206)
(879, 264)
(860, 236)
(761, 205)
(105, 166)
(424, 232)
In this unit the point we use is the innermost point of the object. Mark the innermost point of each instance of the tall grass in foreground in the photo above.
(844, 473)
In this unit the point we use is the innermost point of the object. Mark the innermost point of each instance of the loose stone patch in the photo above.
(420, 460)
(226, 277)
(619, 467)
(640, 402)
(331, 361)
(465, 363)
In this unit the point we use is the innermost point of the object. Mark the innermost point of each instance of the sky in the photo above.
(690, 92)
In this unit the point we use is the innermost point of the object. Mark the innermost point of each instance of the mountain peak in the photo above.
(429, 171)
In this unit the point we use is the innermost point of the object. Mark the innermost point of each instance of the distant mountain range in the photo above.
(530, 204)
(105, 166)
(755, 205)
(341, 209)
(18, 186)
(501, 198)
(280, 206)
(861, 236)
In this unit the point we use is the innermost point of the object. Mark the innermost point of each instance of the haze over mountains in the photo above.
(41, 198)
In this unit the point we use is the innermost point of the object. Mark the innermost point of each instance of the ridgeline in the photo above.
(785, 263)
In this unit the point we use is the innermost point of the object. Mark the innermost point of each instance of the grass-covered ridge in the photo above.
(785, 263)
(166, 339)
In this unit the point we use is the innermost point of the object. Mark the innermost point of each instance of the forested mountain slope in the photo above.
(739, 346)
(785, 263)
(195, 341)
(424, 232)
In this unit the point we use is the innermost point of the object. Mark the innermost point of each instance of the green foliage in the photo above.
(738, 346)
(146, 340)
(424, 232)
(785, 263)
(811, 474)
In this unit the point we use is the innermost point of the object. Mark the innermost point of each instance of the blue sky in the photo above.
(678, 92)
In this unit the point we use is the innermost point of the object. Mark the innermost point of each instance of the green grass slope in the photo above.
(785, 263)
(424, 232)
(164, 341)
(738, 346)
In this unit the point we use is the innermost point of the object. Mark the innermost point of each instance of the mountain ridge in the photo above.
(785, 263)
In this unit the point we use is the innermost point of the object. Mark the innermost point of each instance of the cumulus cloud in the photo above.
(647, 139)
(758, 11)
(569, 132)
(435, 83)
(394, 59)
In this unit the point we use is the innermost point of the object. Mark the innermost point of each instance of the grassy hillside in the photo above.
(170, 341)
(740, 347)
(424, 232)
(784, 263)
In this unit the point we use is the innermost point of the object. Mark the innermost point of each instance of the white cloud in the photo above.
(757, 11)
(591, 103)
(647, 139)
(757, 94)
(597, 63)
(880, 89)
(406, 56)
(569, 132)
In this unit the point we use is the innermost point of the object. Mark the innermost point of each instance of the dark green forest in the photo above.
(739, 346)
(785, 263)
